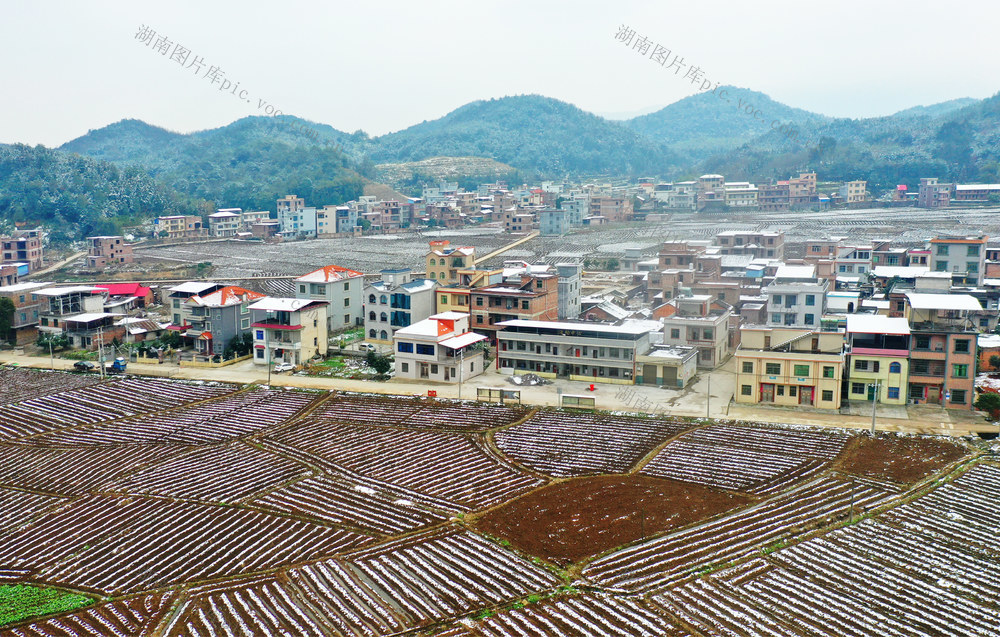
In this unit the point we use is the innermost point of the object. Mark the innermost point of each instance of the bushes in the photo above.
(20, 601)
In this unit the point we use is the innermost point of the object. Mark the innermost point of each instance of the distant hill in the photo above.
(78, 196)
(961, 144)
(936, 110)
(248, 164)
(532, 133)
(706, 123)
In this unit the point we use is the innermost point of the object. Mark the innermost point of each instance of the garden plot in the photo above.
(580, 616)
(757, 460)
(74, 471)
(226, 474)
(127, 545)
(20, 383)
(453, 467)
(675, 556)
(418, 414)
(340, 501)
(17, 507)
(116, 398)
(227, 418)
(135, 617)
(566, 444)
(903, 460)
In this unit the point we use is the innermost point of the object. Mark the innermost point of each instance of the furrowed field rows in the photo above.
(404, 585)
(74, 471)
(417, 414)
(136, 617)
(116, 398)
(121, 546)
(755, 460)
(592, 616)
(227, 418)
(454, 467)
(336, 500)
(17, 384)
(562, 444)
(218, 474)
(16, 507)
(675, 556)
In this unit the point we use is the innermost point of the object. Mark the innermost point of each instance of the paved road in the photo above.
(690, 401)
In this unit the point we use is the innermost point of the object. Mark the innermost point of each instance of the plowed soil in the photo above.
(895, 459)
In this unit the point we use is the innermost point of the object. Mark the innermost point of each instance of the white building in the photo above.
(288, 330)
(437, 349)
(570, 281)
(394, 302)
(297, 222)
(796, 297)
(225, 222)
(341, 288)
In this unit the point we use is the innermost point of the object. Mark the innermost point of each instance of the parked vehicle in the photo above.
(83, 366)
(116, 367)
(368, 347)
(283, 367)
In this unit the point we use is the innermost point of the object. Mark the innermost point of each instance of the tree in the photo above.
(6, 320)
(370, 358)
(381, 365)
(995, 361)
(990, 403)
(56, 341)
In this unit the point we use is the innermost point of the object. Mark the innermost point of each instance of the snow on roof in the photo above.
(328, 274)
(223, 215)
(458, 342)
(23, 287)
(276, 304)
(583, 326)
(988, 340)
(450, 315)
(903, 272)
(230, 295)
(69, 290)
(795, 272)
(875, 324)
(88, 317)
(192, 287)
(943, 301)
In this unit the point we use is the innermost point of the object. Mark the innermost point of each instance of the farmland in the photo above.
(154, 507)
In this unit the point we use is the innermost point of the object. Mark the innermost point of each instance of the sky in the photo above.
(72, 66)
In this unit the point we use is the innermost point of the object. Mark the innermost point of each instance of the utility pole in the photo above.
(100, 349)
(708, 397)
(874, 402)
(52, 359)
(852, 500)
(461, 366)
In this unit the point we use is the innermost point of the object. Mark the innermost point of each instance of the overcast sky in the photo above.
(72, 66)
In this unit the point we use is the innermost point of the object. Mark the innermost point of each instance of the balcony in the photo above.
(276, 324)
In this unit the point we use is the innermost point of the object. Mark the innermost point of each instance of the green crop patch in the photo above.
(21, 601)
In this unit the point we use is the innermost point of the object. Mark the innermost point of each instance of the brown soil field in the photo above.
(899, 460)
(567, 521)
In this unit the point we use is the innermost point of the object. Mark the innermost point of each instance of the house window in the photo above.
(895, 368)
(962, 346)
(801, 370)
(793, 390)
(922, 342)
(942, 250)
(347, 318)
(958, 396)
(827, 395)
(245, 324)
(893, 393)
(809, 319)
(746, 390)
(810, 299)
(781, 390)
(747, 367)
(524, 305)
(434, 369)
(302, 289)
(857, 388)
(425, 350)
(828, 371)
(404, 347)
(444, 299)
(772, 369)
(372, 334)
(960, 371)
(404, 367)
(259, 335)
(777, 299)
(479, 301)
(708, 334)
(675, 332)
(371, 298)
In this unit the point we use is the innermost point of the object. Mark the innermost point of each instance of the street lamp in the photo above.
(874, 402)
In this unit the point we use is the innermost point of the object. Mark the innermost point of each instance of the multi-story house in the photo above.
(963, 257)
(9, 274)
(218, 318)
(773, 197)
(396, 301)
(27, 309)
(178, 295)
(530, 296)
(854, 192)
(802, 190)
(78, 312)
(25, 246)
(757, 244)
(583, 351)
(456, 298)
(289, 204)
(741, 195)
(698, 322)
(611, 208)
(298, 222)
(438, 349)
(443, 263)
(942, 348)
(796, 297)
(225, 222)
(932, 194)
(976, 193)
(180, 227)
(570, 281)
(852, 260)
(342, 288)
(789, 366)
(878, 350)
(288, 330)
(104, 250)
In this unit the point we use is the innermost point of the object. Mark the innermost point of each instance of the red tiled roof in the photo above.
(124, 289)
(329, 273)
(231, 295)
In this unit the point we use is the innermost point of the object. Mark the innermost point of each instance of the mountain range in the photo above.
(254, 160)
